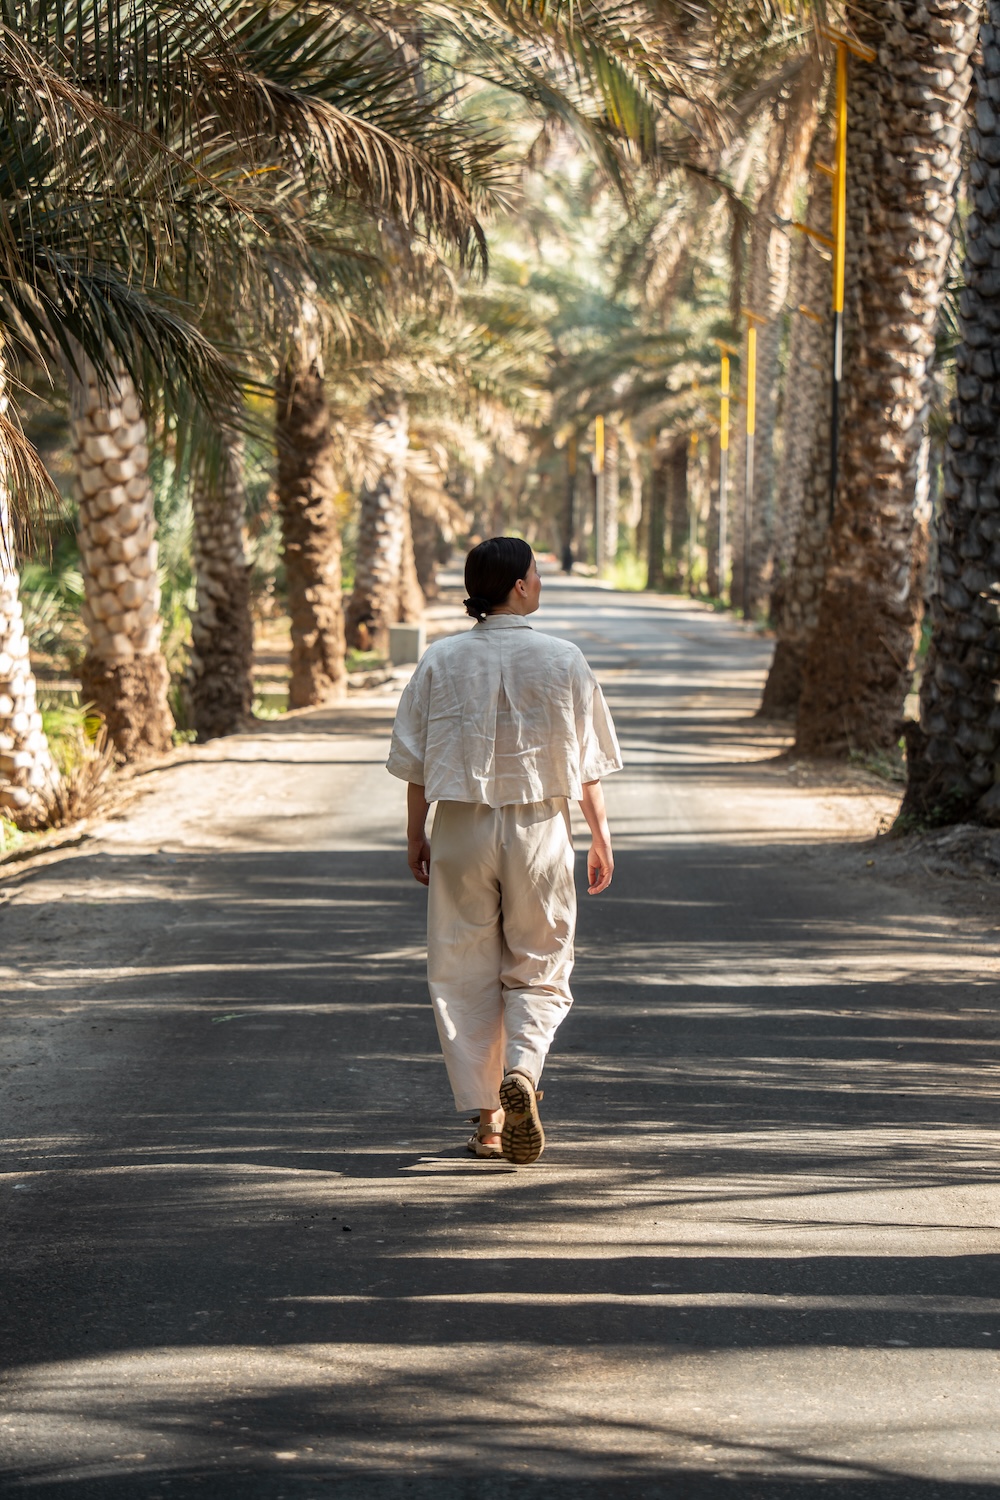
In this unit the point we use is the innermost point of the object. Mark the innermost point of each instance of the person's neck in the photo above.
(518, 608)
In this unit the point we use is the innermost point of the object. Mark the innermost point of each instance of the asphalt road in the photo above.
(245, 1254)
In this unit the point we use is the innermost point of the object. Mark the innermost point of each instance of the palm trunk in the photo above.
(677, 507)
(655, 576)
(383, 581)
(28, 777)
(807, 384)
(803, 505)
(631, 518)
(219, 684)
(307, 503)
(767, 292)
(411, 596)
(909, 107)
(954, 757)
(123, 672)
(426, 550)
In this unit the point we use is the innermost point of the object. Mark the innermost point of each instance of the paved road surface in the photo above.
(246, 1255)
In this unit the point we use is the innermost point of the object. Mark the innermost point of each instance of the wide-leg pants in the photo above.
(500, 925)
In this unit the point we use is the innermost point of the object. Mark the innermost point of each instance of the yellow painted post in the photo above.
(753, 320)
(725, 350)
(840, 188)
(567, 557)
(599, 557)
(845, 44)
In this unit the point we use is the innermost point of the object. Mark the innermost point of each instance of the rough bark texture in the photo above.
(678, 520)
(655, 576)
(411, 596)
(307, 493)
(767, 292)
(28, 776)
(219, 686)
(907, 112)
(123, 672)
(954, 757)
(383, 585)
(426, 551)
(803, 511)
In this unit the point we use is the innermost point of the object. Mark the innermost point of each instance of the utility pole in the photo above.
(725, 350)
(599, 539)
(845, 45)
(753, 320)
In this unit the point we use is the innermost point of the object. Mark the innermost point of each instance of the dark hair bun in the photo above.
(491, 571)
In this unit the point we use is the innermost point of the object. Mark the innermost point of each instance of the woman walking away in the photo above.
(499, 726)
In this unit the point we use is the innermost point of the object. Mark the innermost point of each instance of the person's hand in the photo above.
(600, 866)
(418, 857)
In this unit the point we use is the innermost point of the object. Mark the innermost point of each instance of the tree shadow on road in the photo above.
(249, 1256)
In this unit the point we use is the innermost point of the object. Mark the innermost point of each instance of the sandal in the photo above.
(476, 1144)
(522, 1137)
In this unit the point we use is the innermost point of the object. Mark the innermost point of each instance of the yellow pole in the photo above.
(751, 414)
(840, 185)
(599, 557)
(724, 407)
(845, 44)
(751, 380)
(725, 350)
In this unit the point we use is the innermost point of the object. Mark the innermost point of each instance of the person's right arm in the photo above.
(600, 860)
(418, 850)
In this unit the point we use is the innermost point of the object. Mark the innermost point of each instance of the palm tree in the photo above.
(905, 148)
(219, 681)
(803, 500)
(381, 585)
(658, 484)
(28, 776)
(123, 673)
(796, 116)
(307, 489)
(954, 754)
(65, 155)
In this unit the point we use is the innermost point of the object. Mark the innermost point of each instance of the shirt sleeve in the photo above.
(409, 732)
(600, 754)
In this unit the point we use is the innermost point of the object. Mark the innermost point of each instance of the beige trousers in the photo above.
(500, 922)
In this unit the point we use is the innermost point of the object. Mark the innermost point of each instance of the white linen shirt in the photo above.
(502, 714)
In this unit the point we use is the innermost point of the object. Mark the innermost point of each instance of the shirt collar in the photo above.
(502, 622)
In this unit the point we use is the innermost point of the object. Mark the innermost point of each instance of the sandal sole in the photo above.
(522, 1137)
(485, 1155)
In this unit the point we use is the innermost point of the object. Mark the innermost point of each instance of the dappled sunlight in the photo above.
(762, 1242)
(165, 1408)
